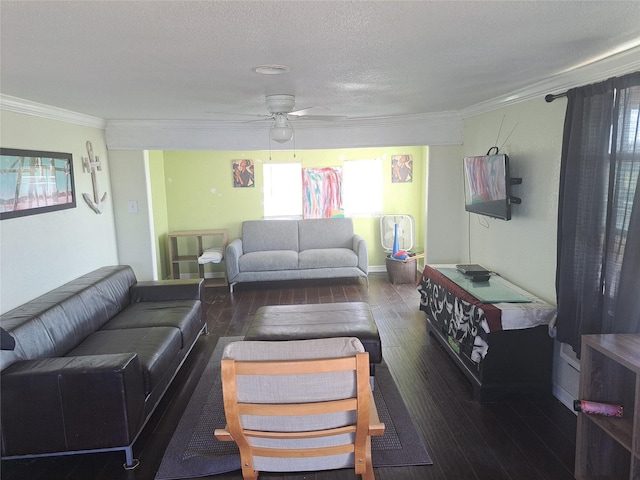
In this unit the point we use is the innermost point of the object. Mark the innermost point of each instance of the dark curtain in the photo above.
(597, 282)
(627, 309)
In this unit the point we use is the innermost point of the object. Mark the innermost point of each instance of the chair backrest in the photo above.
(298, 405)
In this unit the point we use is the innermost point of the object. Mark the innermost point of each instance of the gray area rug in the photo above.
(194, 452)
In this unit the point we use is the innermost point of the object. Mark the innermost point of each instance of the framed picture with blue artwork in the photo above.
(33, 181)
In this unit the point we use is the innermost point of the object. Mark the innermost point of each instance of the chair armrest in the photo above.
(376, 427)
(360, 247)
(223, 435)
(72, 403)
(232, 255)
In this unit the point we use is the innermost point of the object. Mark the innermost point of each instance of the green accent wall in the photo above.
(200, 194)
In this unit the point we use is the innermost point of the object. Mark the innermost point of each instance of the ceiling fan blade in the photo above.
(233, 116)
(263, 118)
(323, 118)
(306, 110)
(314, 113)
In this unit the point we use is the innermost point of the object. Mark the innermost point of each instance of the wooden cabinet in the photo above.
(609, 447)
(186, 247)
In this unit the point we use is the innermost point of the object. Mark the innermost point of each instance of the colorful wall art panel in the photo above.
(322, 190)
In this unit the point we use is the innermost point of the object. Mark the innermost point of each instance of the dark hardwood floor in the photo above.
(518, 440)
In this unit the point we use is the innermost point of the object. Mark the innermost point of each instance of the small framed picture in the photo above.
(243, 173)
(401, 168)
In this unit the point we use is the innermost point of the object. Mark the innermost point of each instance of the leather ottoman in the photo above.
(320, 320)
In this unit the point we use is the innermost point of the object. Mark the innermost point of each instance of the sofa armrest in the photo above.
(159, 290)
(360, 247)
(71, 403)
(164, 290)
(232, 255)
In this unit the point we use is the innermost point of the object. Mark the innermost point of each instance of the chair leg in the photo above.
(368, 473)
(249, 474)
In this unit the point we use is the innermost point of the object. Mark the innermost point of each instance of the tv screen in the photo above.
(488, 186)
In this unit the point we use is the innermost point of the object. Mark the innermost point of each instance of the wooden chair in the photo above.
(298, 406)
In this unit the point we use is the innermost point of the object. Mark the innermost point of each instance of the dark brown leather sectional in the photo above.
(92, 360)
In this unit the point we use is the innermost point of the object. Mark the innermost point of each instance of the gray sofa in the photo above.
(296, 249)
(89, 361)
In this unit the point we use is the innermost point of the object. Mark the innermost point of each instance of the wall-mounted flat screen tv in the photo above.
(488, 186)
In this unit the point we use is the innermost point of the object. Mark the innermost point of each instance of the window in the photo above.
(598, 238)
(362, 187)
(282, 190)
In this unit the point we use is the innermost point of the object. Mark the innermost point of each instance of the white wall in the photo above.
(132, 206)
(41, 252)
(523, 250)
(444, 202)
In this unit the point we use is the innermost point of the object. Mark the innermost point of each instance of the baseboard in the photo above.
(563, 396)
(190, 276)
(383, 268)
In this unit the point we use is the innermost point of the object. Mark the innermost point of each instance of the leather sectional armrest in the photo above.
(159, 290)
(71, 403)
(162, 290)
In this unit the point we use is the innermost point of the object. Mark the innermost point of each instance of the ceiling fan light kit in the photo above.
(281, 134)
(281, 131)
(281, 107)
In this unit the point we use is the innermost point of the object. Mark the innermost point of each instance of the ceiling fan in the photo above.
(281, 107)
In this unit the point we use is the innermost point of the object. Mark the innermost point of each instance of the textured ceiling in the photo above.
(193, 60)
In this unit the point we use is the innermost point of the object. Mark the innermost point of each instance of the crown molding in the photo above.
(596, 71)
(431, 129)
(27, 107)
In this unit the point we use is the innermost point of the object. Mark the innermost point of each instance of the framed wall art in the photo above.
(401, 168)
(322, 192)
(243, 173)
(33, 182)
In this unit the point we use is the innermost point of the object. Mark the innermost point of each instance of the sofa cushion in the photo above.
(265, 235)
(268, 261)
(172, 313)
(157, 349)
(327, 258)
(325, 233)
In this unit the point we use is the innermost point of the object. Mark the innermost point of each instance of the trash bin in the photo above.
(402, 271)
